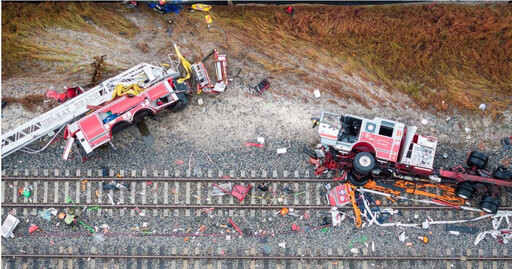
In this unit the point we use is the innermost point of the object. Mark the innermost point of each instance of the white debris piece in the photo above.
(261, 140)
(336, 216)
(317, 93)
(467, 130)
(200, 101)
(283, 244)
(281, 151)
(482, 107)
(454, 232)
(424, 121)
(354, 250)
(402, 237)
(425, 224)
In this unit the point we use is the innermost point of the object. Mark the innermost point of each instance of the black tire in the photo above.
(477, 159)
(364, 162)
(464, 190)
(358, 182)
(489, 204)
(502, 173)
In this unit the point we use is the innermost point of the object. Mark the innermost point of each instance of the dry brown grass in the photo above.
(30, 102)
(21, 22)
(458, 53)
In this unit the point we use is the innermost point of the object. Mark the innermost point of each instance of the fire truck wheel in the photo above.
(489, 204)
(465, 190)
(364, 162)
(477, 159)
(352, 179)
(502, 173)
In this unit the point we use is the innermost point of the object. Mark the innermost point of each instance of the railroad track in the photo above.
(298, 258)
(188, 194)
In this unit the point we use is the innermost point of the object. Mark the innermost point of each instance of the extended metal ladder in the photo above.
(144, 74)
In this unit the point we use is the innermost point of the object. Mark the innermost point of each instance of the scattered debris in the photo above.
(282, 245)
(32, 228)
(335, 216)
(402, 237)
(248, 144)
(284, 211)
(116, 186)
(262, 86)
(9, 225)
(453, 228)
(290, 10)
(424, 239)
(281, 151)
(317, 93)
(200, 101)
(482, 107)
(261, 140)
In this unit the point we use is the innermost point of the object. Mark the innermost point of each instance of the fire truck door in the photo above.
(93, 131)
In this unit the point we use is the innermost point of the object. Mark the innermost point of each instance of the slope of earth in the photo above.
(220, 127)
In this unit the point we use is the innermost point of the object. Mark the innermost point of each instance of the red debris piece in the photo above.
(33, 228)
(306, 215)
(430, 6)
(180, 162)
(225, 177)
(149, 183)
(247, 144)
(234, 226)
(295, 228)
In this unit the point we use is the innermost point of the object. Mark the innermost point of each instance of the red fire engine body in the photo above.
(97, 128)
(380, 150)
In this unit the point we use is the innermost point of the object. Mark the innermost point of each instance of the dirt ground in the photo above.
(282, 113)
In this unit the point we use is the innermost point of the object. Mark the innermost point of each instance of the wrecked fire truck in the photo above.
(91, 117)
(378, 152)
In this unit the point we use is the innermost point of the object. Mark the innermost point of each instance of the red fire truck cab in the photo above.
(383, 150)
(97, 128)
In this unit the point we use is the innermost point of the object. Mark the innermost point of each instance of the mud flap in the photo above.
(67, 148)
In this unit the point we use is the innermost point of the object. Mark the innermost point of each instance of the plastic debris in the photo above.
(248, 144)
(234, 226)
(180, 162)
(354, 250)
(454, 232)
(402, 237)
(25, 192)
(284, 211)
(482, 107)
(261, 140)
(33, 228)
(424, 121)
(46, 214)
(9, 225)
(281, 151)
(335, 216)
(445, 155)
(116, 186)
(425, 224)
(200, 101)
(467, 130)
(295, 228)
(317, 93)
(283, 244)
(424, 239)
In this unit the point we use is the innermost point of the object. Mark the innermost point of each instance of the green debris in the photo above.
(360, 240)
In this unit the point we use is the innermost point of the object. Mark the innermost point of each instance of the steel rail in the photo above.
(193, 179)
(217, 257)
(195, 206)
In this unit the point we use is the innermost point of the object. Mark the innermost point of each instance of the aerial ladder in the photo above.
(55, 120)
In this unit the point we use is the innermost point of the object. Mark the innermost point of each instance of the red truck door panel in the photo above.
(93, 130)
